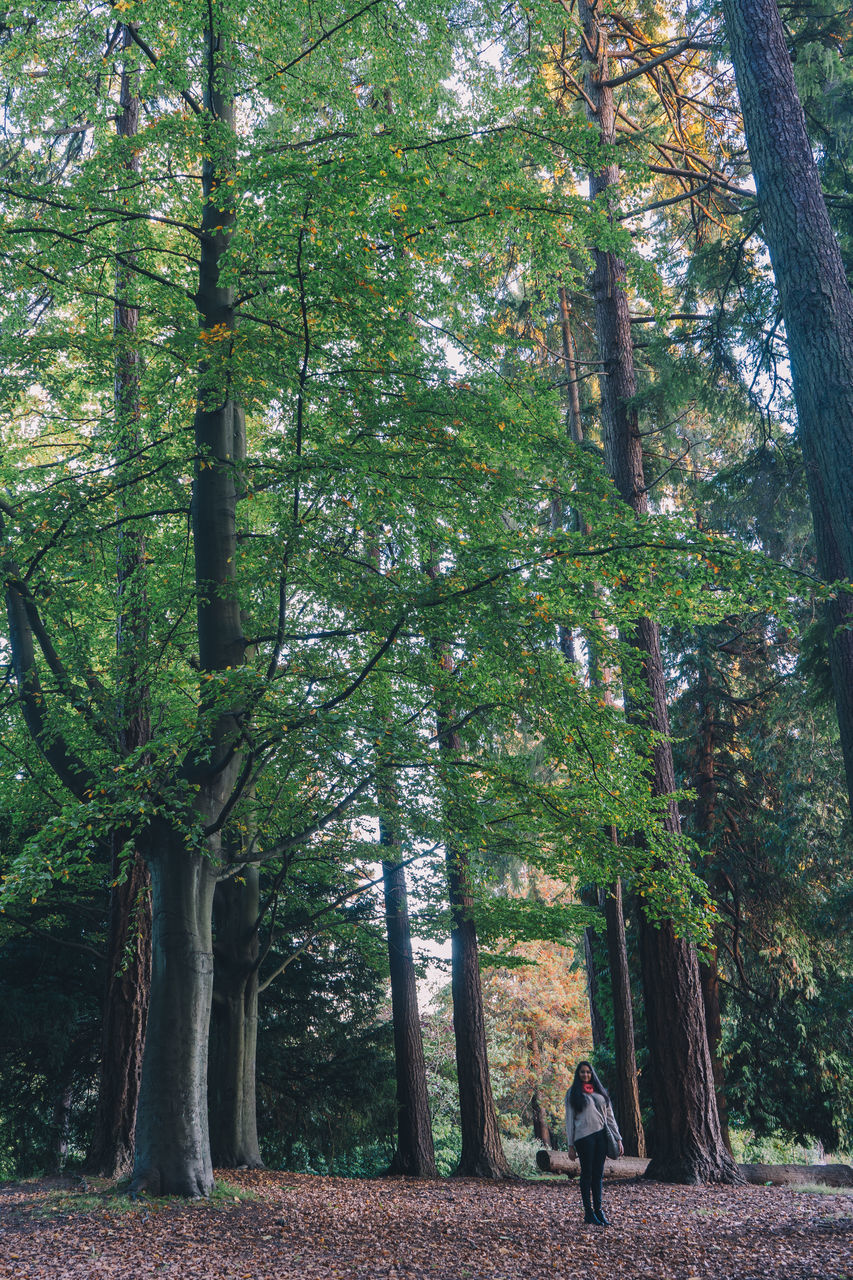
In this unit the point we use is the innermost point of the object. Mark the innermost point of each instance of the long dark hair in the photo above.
(577, 1097)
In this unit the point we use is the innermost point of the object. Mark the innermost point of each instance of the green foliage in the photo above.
(521, 1156)
(397, 211)
(772, 1148)
(49, 1038)
(342, 215)
(325, 1057)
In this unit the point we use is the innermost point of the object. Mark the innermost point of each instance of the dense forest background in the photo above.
(334, 603)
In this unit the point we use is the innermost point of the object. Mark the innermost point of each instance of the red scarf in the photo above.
(589, 1088)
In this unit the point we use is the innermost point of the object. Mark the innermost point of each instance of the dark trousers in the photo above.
(591, 1152)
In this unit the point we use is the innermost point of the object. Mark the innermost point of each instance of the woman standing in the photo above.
(588, 1111)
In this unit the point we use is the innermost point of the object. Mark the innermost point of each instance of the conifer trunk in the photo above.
(415, 1154)
(816, 303)
(688, 1144)
(624, 1091)
(482, 1154)
(589, 897)
(709, 976)
(129, 929)
(124, 1018)
(541, 1128)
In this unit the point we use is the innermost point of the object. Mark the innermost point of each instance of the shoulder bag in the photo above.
(611, 1133)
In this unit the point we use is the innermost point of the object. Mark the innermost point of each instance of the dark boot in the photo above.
(588, 1215)
(601, 1217)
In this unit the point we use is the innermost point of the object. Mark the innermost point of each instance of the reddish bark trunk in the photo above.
(129, 932)
(589, 896)
(124, 1020)
(816, 302)
(482, 1154)
(688, 1145)
(710, 978)
(415, 1155)
(625, 1092)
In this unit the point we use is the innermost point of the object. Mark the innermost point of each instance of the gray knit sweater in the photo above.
(580, 1124)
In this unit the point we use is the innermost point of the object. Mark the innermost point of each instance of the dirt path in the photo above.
(335, 1229)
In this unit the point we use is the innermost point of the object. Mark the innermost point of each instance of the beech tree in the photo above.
(186, 253)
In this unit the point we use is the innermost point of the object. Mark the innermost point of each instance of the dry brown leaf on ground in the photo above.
(297, 1225)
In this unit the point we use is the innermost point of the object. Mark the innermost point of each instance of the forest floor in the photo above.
(284, 1226)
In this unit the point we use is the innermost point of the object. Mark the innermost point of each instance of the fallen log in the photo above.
(560, 1162)
(799, 1175)
(778, 1175)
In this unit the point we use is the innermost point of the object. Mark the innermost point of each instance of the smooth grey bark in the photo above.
(688, 1145)
(232, 1069)
(816, 303)
(173, 1147)
(172, 1141)
(414, 1155)
(231, 1093)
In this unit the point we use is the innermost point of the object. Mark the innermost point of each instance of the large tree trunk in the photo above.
(415, 1154)
(173, 1147)
(688, 1144)
(625, 1092)
(124, 1018)
(129, 932)
(816, 303)
(232, 1105)
(172, 1144)
(482, 1154)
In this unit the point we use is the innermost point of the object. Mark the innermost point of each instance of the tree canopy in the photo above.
(311, 523)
